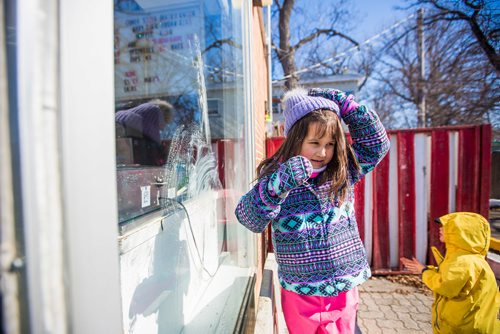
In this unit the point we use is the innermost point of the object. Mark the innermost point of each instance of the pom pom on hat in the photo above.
(297, 104)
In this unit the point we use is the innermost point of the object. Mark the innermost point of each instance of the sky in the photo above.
(375, 16)
(368, 18)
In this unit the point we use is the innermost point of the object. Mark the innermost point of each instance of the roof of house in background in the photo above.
(346, 82)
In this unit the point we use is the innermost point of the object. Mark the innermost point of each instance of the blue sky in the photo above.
(369, 18)
(375, 16)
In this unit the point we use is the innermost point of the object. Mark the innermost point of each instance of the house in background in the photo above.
(347, 82)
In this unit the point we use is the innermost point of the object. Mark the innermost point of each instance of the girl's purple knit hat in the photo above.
(297, 104)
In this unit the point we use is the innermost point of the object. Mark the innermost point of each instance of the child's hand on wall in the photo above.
(413, 265)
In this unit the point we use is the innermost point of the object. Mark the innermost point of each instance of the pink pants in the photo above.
(314, 314)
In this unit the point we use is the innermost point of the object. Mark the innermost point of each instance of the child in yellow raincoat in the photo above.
(466, 297)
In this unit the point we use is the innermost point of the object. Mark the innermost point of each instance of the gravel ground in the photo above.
(410, 280)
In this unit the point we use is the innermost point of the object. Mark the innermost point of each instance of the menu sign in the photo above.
(153, 51)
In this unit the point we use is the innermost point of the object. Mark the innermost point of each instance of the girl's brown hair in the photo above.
(337, 169)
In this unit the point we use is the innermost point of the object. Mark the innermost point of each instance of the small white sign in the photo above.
(146, 196)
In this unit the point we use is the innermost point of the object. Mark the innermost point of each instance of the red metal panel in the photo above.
(272, 145)
(485, 170)
(406, 194)
(269, 234)
(427, 130)
(439, 186)
(380, 254)
(359, 206)
(468, 170)
(359, 201)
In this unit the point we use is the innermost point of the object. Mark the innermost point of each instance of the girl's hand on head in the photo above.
(345, 102)
(328, 93)
(413, 265)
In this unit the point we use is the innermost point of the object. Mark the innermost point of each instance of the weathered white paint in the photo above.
(203, 215)
(174, 277)
(368, 215)
(245, 242)
(248, 82)
(453, 180)
(393, 202)
(422, 187)
(218, 308)
(9, 287)
(151, 294)
(88, 165)
(38, 110)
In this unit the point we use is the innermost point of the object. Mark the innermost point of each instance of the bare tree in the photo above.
(481, 16)
(358, 59)
(461, 86)
(314, 42)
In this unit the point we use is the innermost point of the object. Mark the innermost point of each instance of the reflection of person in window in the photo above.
(145, 122)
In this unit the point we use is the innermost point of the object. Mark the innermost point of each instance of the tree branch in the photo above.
(277, 4)
(328, 32)
(448, 14)
(473, 6)
(220, 42)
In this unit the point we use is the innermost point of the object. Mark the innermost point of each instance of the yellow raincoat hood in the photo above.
(466, 231)
(466, 298)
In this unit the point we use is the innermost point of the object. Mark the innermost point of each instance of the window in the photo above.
(214, 105)
(179, 141)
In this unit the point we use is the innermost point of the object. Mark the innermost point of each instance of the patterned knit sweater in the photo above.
(316, 240)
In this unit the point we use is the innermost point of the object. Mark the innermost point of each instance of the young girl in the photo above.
(306, 191)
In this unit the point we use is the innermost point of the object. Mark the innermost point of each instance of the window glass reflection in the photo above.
(140, 128)
(177, 76)
(179, 141)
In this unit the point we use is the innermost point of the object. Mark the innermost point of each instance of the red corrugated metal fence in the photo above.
(427, 173)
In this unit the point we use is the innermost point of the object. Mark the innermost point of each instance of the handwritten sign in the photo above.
(153, 53)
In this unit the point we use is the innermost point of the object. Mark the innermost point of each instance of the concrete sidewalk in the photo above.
(387, 307)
